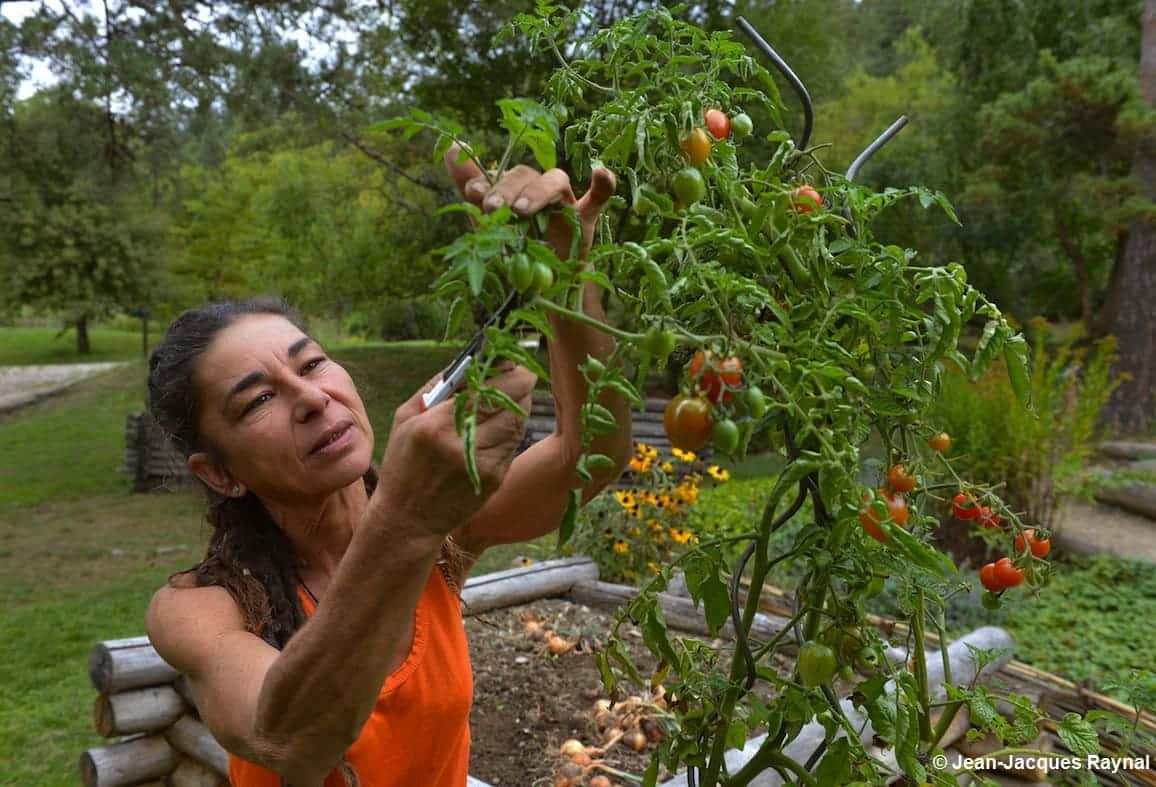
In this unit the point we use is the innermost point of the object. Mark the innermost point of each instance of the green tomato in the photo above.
(866, 659)
(543, 276)
(873, 588)
(741, 125)
(816, 665)
(846, 641)
(756, 401)
(689, 186)
(561, 114)
(521, 272)
(990, 600)
(659, 343)
(725, 436)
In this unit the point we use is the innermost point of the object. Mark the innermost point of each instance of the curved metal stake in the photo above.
(879, 142)
(796, 83)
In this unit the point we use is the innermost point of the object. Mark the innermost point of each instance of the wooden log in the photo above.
(141, 710)
(128, 762)
(1137, 498)
(1119, 449)
(182, 687)
(522, 585)
(118, 665)
(193, 739)
(190, 773)
(680, 612)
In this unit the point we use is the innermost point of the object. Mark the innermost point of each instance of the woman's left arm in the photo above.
(535, 492)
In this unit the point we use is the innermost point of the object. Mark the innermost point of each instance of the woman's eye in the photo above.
(260, 400)
(313, 364)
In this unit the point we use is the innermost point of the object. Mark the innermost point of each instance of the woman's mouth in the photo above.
(334, 441)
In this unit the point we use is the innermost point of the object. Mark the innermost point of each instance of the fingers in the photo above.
(462, 172)
(602, 186)
(549, 188)
(507, 190)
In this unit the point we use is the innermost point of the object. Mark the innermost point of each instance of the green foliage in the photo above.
(1041, 455)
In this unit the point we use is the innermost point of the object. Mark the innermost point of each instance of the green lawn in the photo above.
(22, 346)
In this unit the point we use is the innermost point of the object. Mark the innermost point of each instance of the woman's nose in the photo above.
(311, 399)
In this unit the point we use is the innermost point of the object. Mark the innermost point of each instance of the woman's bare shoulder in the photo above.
(184, 619)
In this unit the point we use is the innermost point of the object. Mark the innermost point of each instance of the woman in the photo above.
(321, 635)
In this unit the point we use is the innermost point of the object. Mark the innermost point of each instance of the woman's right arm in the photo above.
(296, 711)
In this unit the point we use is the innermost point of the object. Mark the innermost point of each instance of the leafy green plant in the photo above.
(747, 250)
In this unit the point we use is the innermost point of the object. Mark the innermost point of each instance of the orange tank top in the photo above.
(419, 731)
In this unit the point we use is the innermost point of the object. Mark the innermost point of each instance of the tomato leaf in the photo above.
(569, 516)
(835, 767)
(1078, 735)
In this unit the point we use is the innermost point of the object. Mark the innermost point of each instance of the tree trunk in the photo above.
(1133, 406)
(82, 345)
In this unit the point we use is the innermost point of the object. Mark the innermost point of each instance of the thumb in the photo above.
(602, 186)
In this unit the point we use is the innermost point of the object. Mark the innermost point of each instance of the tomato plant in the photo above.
(940, 443)
(899, 481)
(816, 664)
(688, 422)
(843, 342)
(717, 123)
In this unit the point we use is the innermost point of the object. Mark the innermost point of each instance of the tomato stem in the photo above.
(920, 665)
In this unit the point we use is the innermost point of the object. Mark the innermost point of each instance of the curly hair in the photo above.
(248, 554)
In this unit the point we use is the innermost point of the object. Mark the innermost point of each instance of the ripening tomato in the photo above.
(989, 580)
(716, 380)
(896, 509)
(689, 186)
(805, 199)
(1008, 575)
(940, 443)
(687, 422)
(964, 507)
(717, 123)
(1039, 546)
(696, 146)
(899, 481)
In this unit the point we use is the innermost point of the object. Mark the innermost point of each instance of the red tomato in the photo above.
(696, 146)
(718, 378)
(1040, 547)
(964, 507)
(718, 123)
(805, 199)
(989, 580)
(1007, 574)
(898, 479)
(687, 422)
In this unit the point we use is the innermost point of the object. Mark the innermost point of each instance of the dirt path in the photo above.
(21, 385)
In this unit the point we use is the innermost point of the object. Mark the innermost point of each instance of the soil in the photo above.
(527, 701)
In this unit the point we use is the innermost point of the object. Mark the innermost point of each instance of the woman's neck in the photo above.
(320, 532)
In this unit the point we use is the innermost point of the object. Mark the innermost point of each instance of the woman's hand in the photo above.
(528, 191)
(423, 478)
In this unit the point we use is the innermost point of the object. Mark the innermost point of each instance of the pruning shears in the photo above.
(456, 371)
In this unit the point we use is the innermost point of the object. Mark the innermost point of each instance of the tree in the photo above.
(1132, 317)
(75, 239)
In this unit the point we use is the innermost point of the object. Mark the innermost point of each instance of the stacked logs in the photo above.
(145, 704)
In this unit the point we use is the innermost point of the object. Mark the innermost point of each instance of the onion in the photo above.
(637, 741)
(571, 746)
(602, 705)
(599, 781)
(557, 645)
(581, 759)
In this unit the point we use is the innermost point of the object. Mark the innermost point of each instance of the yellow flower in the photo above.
(633, 532)
(667, 467)
(686, 456)
(621, 547)
(608, 533)
(640, 465)
(646, 451)
(625, 499)
(718, 473)
(655, 526)
(680, 536)
(652, 567)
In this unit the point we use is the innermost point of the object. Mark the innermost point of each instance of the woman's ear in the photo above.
(203, 467)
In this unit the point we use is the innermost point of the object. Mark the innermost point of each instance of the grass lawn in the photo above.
(21, 346)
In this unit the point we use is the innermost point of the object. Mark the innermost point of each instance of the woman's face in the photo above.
(287, 420)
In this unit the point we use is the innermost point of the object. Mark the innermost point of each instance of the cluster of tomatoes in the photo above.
(899, 483)
(692, 420)
(688, 184)
(1002, 574)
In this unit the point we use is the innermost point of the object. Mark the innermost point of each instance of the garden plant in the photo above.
(735, 252)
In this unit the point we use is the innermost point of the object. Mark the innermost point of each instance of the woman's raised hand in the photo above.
(423, 477)
(528, 191)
